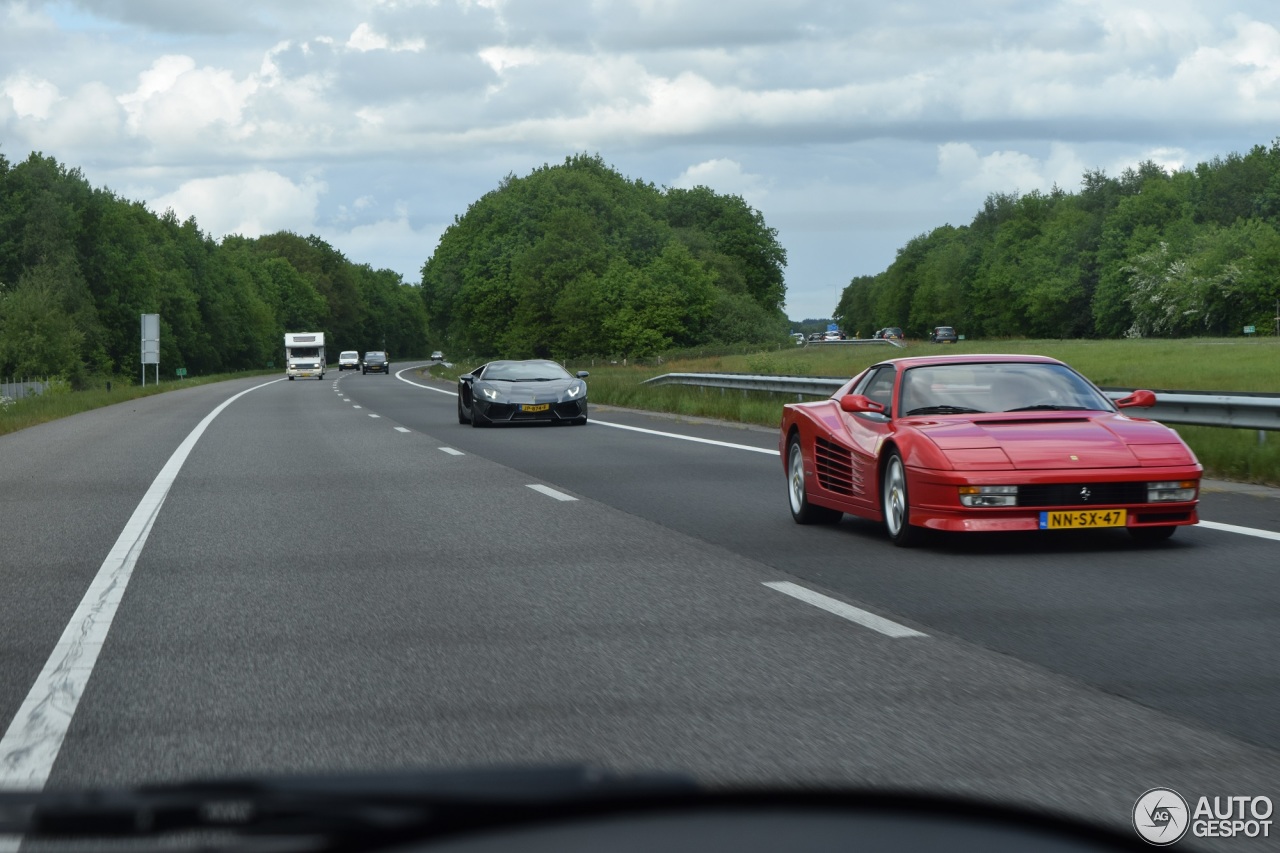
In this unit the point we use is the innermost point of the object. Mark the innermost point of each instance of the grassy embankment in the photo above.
(1178, 365)
(60, 401)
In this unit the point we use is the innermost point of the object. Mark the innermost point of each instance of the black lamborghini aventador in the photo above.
(515, 391)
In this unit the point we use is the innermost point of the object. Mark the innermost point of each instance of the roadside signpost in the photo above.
(150, 345)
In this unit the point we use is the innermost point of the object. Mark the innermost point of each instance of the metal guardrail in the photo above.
(1195, 408)
(16, 389)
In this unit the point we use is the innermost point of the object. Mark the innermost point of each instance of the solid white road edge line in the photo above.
(710, 441)
(1246, 531)
(34, 737)
(550, 492)
(845, 611)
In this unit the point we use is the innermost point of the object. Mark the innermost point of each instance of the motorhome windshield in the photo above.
(304, 352)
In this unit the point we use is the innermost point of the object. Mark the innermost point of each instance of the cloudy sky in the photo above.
(852, 126)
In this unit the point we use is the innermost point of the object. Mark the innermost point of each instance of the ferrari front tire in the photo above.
(802, 511)
(896, 503)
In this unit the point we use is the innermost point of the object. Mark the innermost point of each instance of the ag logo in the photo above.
(1161, 816)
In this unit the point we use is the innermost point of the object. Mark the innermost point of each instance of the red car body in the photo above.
(932, 443)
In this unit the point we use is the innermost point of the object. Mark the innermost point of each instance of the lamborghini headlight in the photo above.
(490, 393)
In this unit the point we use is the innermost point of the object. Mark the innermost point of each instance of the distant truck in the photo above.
(304, 355)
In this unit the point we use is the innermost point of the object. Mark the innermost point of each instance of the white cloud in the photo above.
(726, 177)
(249, 203)
(364, 38)
(31, 96)
(175, 102)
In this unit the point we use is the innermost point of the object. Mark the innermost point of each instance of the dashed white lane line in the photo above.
(372, 415)
(451, 451)
(1245, 531)
(357, 407)
(403, 429)
(845, 611)
(35, 736)
(551, 493)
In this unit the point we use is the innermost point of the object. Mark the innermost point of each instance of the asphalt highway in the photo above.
(341, 576)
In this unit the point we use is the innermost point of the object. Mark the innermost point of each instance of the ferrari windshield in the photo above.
(525, 371)
(940, 389)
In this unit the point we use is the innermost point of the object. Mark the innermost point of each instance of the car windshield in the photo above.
(374, 356)
(525, 371)
(350, 355)
(996, 387)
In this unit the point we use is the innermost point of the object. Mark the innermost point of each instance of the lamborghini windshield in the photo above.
(525, 371)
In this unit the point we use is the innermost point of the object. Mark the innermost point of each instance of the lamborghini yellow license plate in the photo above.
(1081, 519)
(529, 407)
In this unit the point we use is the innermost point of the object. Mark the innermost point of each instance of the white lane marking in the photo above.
(346, 399)
(451, 451)
(35, 736)
(729, 444)
(357, 407)
(372, 415)
(420, 385)
(403, 429)
(845, 611)
(1245, 531)
(550, 492)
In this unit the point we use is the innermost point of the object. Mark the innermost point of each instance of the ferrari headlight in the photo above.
(490, 393)
(1171, 490)
(989, 495)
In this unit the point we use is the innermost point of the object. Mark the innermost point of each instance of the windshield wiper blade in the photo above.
(943, 410)
(416, 803)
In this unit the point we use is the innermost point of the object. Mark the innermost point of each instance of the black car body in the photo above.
(517, 391)
(943, 335)
(377, 362)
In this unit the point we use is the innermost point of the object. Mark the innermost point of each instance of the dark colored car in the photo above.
(943, 335)
(377, 362)
(985, 443)
(892, 333)
(517, 391)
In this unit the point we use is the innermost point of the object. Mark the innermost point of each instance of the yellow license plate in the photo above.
(529, 407)
(1080, 519)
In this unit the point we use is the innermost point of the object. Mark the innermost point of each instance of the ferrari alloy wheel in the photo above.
(896, 503)
(801, 510)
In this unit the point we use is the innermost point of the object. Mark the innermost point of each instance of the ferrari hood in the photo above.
(1034, 443)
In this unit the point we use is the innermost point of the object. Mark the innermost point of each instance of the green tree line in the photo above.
(79, 265)
(574, 259)
(1148, 253)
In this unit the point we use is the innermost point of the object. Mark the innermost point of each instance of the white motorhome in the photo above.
(304, 355)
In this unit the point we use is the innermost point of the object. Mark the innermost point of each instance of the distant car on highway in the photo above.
(437, 356)
(349, 360)
(985, 443)
(944, 335)
(893, 333)
(377, 362)
(516, 391)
